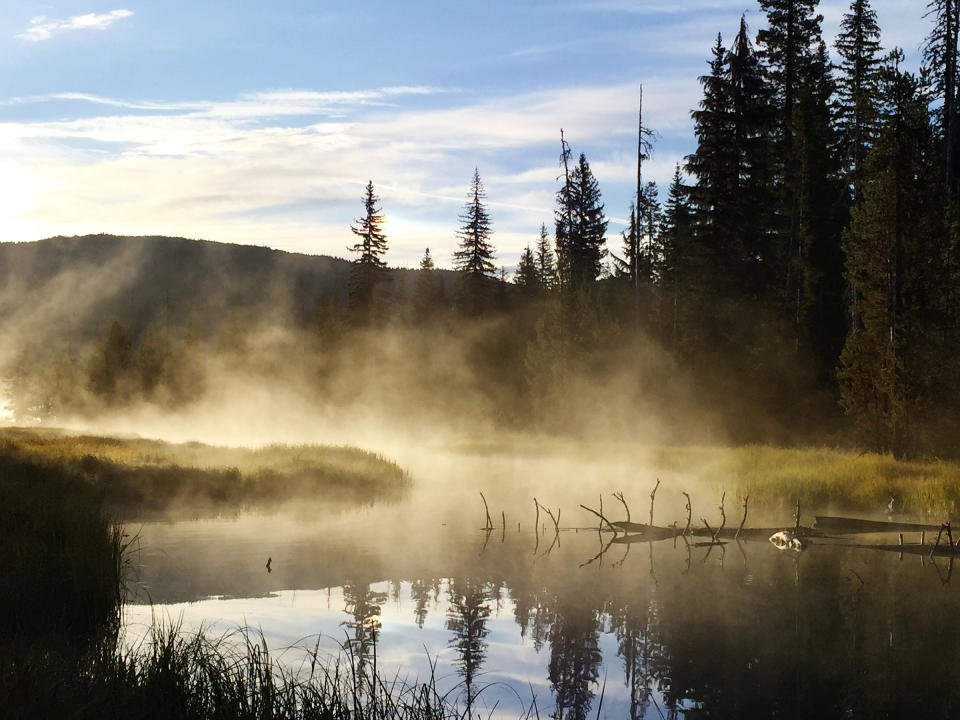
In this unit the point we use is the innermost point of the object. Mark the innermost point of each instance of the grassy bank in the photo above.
(823, 478)
(61, 653)
(138, 477)
(773, 477)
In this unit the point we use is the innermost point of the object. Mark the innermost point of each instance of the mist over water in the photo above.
(740, 629)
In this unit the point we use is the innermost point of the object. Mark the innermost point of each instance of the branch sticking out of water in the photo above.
(619, 496)
(723, 515)
(744, 521)
(486, 509)
(599, 515)
(653, 495)
(686, 530)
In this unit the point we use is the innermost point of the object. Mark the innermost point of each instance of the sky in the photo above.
(260, 123)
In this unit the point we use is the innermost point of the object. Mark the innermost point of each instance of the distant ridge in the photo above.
(70, 288)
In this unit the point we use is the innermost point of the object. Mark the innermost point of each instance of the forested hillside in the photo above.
(799, 279)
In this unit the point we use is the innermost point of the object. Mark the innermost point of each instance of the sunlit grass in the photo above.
(823, 478)
(151, 476)
(774, 477)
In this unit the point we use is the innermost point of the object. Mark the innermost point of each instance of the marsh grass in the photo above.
(62, 560)
(148, 477)
(774, 477)
(173, 673)
(823, 478)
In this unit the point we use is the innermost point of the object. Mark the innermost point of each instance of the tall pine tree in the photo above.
(858, 45)
(473, 259)
(787, 48)
(823, 213)
(582, 226)
(940, 55)
(546, 265)
(369, 269)
(681, 267)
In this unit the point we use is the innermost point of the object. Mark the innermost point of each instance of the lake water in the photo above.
(522, 619)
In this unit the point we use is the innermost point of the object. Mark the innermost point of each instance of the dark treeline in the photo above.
(798, 279)
(809, 243)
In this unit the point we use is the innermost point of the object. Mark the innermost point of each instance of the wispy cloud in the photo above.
(252, 105)
(655, 7)
(42, 28)
(227, 170)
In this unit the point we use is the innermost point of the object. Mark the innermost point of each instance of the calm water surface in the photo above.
(511, 617)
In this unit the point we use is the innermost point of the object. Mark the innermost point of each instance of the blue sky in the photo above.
(260, 122)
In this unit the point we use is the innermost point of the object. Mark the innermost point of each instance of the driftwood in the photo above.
(651, 534)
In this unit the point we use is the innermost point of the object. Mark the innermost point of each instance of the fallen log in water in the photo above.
(654, 532)
(844, 525)
(650, 534)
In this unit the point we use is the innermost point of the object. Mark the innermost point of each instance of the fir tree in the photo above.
(787, 46)
(625, 267)
(680, 267)
(648, 220)
(526, 275)
(582, 227)
(823, 207)
(751, 259)
(546, 267)
(858, 45)
(473, 260)
(369, 269)
(429, 291)
(940, 56)
(712, 162)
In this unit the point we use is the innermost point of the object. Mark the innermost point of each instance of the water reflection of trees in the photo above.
(363, 605)
(467, 618)
(772, 638)
(574, 656)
